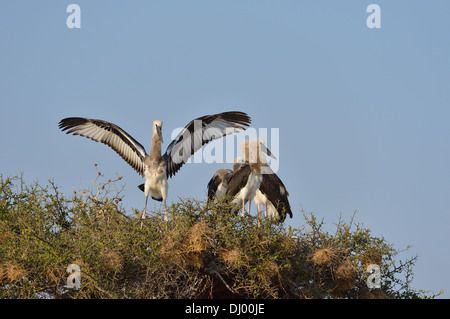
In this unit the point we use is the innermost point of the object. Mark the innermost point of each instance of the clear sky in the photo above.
(363, 114)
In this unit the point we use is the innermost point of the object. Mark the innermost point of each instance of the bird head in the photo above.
(157, 129)
(262, 146)
(253, 151)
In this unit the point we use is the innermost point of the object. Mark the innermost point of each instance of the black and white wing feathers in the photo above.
(238, 180)
(110, 134)
(273, 188)
(220, 177)
(199, 132)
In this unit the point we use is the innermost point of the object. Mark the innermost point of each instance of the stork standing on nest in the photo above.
(156, 168)
(273, 195)
(246, 179)
(218, 184)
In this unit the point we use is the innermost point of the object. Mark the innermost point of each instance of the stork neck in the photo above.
(256, 168)
(155, 152)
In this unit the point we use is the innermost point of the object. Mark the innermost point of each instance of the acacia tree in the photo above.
(202, 252)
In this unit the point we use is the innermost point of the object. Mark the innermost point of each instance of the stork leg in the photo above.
(166, 219)
(164, 191)
(249, 202)
(258, 208)
(265, 207)
(145, 209)
(243, 207)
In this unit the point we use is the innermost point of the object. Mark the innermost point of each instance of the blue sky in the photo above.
(362, 113)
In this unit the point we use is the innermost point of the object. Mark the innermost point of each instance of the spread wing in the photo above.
(199, 132)
(110, 134)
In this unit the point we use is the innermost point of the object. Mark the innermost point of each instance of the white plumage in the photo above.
(246, 179)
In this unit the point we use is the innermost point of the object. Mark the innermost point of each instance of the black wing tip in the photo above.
(238, 117)
(212, 188)
(211, 196)
(70, 122)
(285, 211)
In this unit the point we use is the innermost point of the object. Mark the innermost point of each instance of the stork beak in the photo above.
(158, 130)
(267, 151)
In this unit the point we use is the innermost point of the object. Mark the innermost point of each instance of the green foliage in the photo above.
(202, 252)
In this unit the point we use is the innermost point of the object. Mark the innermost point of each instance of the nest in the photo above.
(10, 272)
(344, 277)
(110, 260)
(322, 257)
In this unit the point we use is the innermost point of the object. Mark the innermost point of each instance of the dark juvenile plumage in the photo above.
(218, 184)
(276, 194)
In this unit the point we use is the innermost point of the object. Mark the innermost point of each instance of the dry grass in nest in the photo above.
(270, 272)
(110, 260)
(5, 237)
(10, 273)
(196, 243)
(231, 257)
(322, 257)
(186, 246)
(198, 237)
(344, 277)
(195, 259)
(170, 245)
(371, 258)
(274, 270)
(55, 274)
